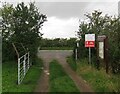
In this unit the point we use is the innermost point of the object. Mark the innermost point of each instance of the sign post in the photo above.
(76, 54)
(76, 50)
(89, 43)
(89, 55)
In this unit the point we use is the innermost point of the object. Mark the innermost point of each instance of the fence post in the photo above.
(76, 54)
(18, 71)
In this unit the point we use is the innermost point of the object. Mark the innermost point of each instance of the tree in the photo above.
(7, 15)
(7, 52)
(22, 24)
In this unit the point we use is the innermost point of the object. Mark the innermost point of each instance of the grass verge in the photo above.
(72, 63)
(9, 77)
(98, 79)
(57, 48)
(59, 80)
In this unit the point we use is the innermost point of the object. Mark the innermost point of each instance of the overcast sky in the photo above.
(63, 17)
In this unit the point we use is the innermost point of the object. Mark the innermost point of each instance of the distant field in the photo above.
(98, 79)
(57, 48)
(9, 77)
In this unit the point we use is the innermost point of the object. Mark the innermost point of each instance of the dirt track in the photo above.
(60, 55)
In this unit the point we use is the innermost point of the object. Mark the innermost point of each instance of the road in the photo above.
(60, 55)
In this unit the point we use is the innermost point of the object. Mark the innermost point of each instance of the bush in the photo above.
(8, 53)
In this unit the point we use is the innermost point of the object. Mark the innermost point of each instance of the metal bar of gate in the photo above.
(18, 71)
(28, 61)
(24, 64)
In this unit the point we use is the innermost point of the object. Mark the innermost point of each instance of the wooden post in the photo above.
(18, 61)
(106, 54)
(15, 50)
(97, 52)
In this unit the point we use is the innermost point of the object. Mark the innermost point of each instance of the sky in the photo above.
(64, 16)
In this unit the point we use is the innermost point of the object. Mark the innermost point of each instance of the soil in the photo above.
(60, 55)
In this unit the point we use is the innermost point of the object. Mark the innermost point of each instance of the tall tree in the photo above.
(22, 24)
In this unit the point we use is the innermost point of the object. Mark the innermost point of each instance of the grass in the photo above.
(98, 79)
(9, 77)
(57, 48)
(72, 63)
(59, 80)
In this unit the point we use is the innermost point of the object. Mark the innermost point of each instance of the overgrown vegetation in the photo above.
(21, 24)
(98, 79)
(59, 80)
(100, 24)
(9, 77)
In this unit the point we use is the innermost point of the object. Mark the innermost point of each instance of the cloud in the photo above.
(63, 16)
(63, 28)
(110, 8)
(76, 9)
(62, 9)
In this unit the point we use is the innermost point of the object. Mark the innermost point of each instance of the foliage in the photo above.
(102, 25)
(59, 80)
(21, 24)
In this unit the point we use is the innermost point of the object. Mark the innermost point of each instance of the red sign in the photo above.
(89, 40)
(89, 43)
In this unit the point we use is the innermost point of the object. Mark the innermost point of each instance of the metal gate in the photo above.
(23, 63)
(23, 66)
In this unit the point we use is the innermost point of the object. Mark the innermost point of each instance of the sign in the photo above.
(90, 44)
(89, 40)
(101, 50)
